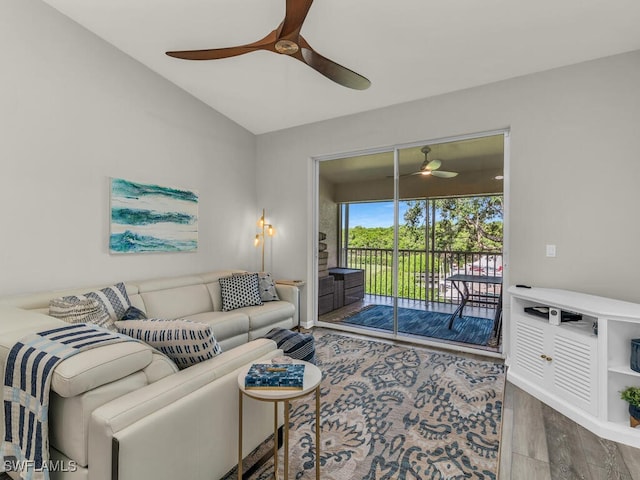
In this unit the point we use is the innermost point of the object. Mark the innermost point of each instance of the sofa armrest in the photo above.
(182, 426)
(291, 294)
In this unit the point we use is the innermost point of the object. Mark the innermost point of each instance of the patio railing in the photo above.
(421, 274)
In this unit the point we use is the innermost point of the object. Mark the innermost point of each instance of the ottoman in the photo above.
(296, 345)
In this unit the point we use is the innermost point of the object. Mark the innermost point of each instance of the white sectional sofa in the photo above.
(124, 411)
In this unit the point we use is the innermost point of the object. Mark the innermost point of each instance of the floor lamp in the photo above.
(265, 228)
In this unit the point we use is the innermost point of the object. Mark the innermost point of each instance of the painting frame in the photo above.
(151, 218)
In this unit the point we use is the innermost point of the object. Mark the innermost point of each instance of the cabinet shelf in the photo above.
(580, 327)
(624, 370)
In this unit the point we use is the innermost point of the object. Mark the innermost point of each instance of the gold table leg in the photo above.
(318, 432)
(286, 440)
(239, 434)
(275, 440)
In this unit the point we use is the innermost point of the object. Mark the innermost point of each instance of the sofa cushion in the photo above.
(267, 287)
(239, 291)
(75, 310)
(224, 324)
(177, 302)
(99, 366)
(268, 314)
(184, 341)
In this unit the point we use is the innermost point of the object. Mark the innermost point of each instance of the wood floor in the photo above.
(538, 443)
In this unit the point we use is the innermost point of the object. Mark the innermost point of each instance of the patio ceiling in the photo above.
(369, 177)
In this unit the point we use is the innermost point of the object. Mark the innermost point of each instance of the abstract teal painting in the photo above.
(150, 218)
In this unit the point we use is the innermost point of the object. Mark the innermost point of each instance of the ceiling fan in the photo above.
(431, 167)
(286, 40)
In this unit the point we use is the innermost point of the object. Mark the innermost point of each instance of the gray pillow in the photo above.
(267, 287)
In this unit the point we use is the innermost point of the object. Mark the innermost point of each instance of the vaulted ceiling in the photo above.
(409, 49)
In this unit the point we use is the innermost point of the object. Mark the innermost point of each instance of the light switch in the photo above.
(551, 250)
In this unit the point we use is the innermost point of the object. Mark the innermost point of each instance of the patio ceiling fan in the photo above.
(286, 40)
(431, 167)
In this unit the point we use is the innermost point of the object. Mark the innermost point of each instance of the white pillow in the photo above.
(183, 341)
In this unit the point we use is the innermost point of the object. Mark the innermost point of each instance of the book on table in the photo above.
(277, 376)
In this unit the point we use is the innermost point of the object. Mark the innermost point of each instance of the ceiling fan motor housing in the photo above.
(286, 47)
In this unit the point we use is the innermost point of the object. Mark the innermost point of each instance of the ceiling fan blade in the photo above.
(265, 43)
(441, 174)
(211, 54)
(332, 70)
(296, 12)
(433, 165)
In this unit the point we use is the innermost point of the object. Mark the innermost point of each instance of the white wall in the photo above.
(75, 111)
(575, 169)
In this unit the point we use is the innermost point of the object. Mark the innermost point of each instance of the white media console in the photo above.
(570, 367)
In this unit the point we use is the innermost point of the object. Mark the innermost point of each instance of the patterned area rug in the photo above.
(474, 330)
(393, 412)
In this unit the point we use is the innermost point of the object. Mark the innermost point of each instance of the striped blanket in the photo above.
(27, 380)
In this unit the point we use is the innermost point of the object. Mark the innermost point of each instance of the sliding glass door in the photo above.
(357, 221)
(396, 226)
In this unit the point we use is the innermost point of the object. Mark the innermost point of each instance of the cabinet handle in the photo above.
(548, 359)
(543, 356)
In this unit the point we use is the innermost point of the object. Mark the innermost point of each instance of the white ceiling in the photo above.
(409, 49)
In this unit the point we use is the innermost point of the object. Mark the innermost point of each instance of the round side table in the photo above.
(311, 383)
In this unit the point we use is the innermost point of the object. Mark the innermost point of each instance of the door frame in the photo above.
(314, 190)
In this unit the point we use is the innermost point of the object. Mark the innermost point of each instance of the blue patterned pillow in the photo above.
(240, 291)
(134, 313)
(183, 341)
(114, 299)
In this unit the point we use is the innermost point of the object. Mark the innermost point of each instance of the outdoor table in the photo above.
(461, 284)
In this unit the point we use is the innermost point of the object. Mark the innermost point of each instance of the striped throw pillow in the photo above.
(183, 341)
(114, 299)
(300, 346)
(88, 310)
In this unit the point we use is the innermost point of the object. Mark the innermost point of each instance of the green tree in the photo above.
(470, 223)
(411, 235)
(376, 237)
(464, 224)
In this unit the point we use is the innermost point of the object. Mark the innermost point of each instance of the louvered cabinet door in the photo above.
(574, 369)
(529, 342)
(557, 359)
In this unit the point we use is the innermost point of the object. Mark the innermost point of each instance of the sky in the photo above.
(377, 214)
(380, 214)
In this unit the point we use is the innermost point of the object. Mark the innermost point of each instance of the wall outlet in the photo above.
(551, 250)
